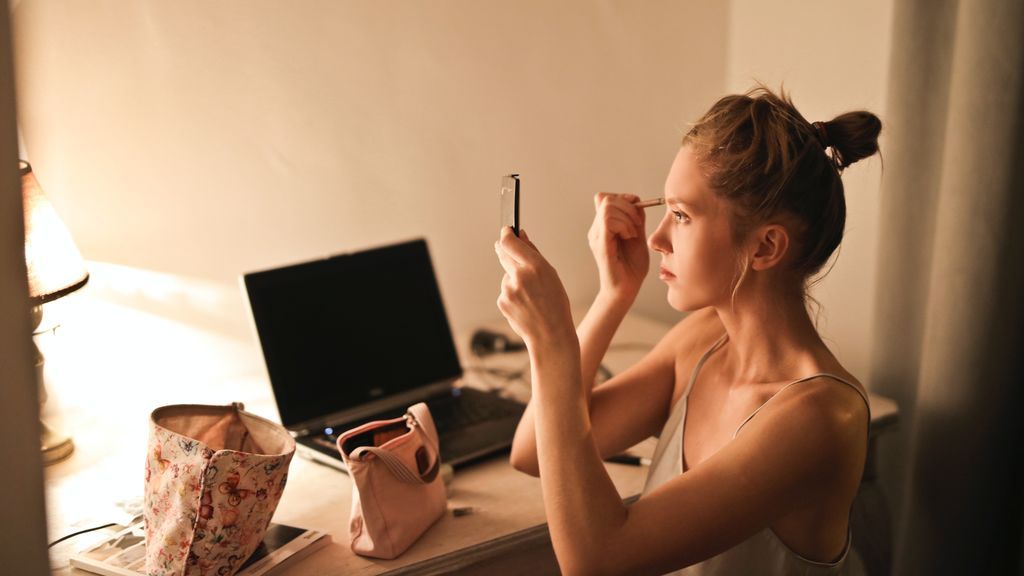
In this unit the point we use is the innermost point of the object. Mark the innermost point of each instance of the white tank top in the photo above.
(763, 553)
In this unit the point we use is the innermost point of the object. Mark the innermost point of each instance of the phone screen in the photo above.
(510, 202)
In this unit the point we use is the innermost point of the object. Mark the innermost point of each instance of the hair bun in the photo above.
(852, 136)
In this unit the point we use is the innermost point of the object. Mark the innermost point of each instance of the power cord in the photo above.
(79, 533)
(486, 342)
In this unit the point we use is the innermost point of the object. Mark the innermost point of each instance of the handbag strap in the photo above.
(395, 464)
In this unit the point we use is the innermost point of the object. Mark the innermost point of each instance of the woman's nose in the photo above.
(657, 242)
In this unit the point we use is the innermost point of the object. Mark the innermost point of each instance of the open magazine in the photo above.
(124, 553)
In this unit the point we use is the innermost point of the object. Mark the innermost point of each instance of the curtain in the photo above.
(951, 277)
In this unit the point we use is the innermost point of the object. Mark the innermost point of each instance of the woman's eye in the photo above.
(680, 217)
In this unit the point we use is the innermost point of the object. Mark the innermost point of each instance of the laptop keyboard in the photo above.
(459, 409)
(464, 408)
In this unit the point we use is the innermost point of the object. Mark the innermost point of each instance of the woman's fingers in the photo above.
(525, 238)
(618, 225)
(623, 227)
(521, 250)
(507, 261)
(602, 196)
(627, 210)
(622, 205)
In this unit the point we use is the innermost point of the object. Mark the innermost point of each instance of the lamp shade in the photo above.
(55, 266)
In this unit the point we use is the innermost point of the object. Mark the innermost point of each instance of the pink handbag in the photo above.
(397, 493)
(214, 475)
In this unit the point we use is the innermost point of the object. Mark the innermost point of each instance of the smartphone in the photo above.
(510, 202)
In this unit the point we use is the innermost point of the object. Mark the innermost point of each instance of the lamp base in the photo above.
(55, 446)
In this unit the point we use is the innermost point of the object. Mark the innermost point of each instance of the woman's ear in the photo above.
(771, 245)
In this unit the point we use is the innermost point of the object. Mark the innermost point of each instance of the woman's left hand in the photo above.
(532, 297)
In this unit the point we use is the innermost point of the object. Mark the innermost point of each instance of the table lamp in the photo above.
(55, 269)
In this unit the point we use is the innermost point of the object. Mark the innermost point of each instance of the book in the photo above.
(124, 552)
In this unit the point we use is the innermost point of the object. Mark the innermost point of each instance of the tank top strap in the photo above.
(799, 381)
(700, 362)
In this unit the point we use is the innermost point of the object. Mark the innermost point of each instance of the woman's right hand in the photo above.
(618, 240)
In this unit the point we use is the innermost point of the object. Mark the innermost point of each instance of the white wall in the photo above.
(207, 139)
(832, 57)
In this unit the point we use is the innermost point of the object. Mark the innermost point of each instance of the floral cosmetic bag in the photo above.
(214, 476)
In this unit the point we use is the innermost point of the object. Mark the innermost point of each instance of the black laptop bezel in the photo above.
(390, 401)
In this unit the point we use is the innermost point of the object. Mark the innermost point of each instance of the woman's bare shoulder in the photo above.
(829, 365)
(837, 413)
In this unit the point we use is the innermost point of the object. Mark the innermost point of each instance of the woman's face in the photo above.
(694, 238)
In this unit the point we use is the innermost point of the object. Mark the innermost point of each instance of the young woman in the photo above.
(762, 432)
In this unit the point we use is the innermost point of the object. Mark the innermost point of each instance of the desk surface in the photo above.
(106, 468)
(507, 509)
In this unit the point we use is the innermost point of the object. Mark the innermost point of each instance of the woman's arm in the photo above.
(619, 245)
(634, 404)
(594, 334)
(808, 444)
(773, 468)
(791, 457)
(616, 238)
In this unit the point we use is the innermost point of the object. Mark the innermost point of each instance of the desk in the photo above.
(506, 534)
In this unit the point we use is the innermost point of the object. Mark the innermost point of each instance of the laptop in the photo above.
(362, 336)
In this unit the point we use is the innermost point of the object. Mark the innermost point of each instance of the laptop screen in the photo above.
(346, 330)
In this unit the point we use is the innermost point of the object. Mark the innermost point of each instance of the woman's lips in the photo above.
(664, 274)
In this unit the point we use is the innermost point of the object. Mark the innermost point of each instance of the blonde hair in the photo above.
(761, 154)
